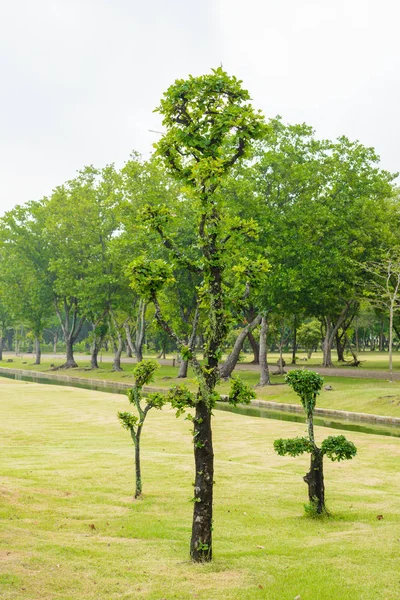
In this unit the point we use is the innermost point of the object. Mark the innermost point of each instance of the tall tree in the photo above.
(209, 128)
(26, 281)
(81, 220)
(383, 290)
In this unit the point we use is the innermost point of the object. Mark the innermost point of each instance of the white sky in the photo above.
(79, 79)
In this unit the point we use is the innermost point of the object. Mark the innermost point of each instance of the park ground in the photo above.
(70, 529)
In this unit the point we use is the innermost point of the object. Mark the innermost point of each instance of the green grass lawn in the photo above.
(70, 530)
(373, 396)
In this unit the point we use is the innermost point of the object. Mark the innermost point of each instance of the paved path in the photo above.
(334, 372)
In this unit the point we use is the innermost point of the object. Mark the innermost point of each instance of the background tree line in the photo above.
(320, 212)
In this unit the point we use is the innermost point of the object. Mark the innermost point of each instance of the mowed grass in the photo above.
(70, 530)
(372, 396)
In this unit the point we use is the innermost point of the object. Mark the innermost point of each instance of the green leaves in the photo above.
(210, 126)
(307, 385)
(149, 276)
(181, 398)
(128, 420)
(156, 400)
(338, 448)
(293, 447)
(240, 393)
(144, 372)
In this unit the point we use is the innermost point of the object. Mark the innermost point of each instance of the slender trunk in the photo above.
(183, 367)
(201, 541)
(129, 340)
(138, 475)
(55, 340)
(255, 346)
(128, 350)
(356, 336)
(381, 348)
(118, 345)
(1, 347)
(315, 481)
(391, 311)
(264, 370)
(294, 350)
(227, 368)
(140, 331)
(38, 351)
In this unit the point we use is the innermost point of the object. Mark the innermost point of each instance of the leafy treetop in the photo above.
(210, 125)
(307, 385)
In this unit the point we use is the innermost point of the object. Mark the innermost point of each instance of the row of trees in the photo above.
(233, 222)
(321, 213)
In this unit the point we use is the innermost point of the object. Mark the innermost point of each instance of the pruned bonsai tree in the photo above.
(143, 373)
(307, 385)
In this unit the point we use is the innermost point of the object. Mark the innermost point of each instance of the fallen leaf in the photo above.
(261, 547)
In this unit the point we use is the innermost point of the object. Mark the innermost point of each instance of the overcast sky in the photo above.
(79, 79)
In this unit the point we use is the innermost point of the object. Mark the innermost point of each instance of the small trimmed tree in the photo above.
(307, 385)
(144, 373)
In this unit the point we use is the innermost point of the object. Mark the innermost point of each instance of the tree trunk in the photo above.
(140, 330)
(294, 350)
(255, 346)
(55, 340)
(315, 481)
(118, 345)
(117, 356)
(70, 362)
(381, 337)
(183, 369)
(1, 347)
(227, 368)
(138, 475)
(38, 351)
(327, 345)
(201, 541)
(94, 354)
(71, 327)
(264, 370)
(391, 311)
(340, 346)
(356, 336)
(128, 350)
